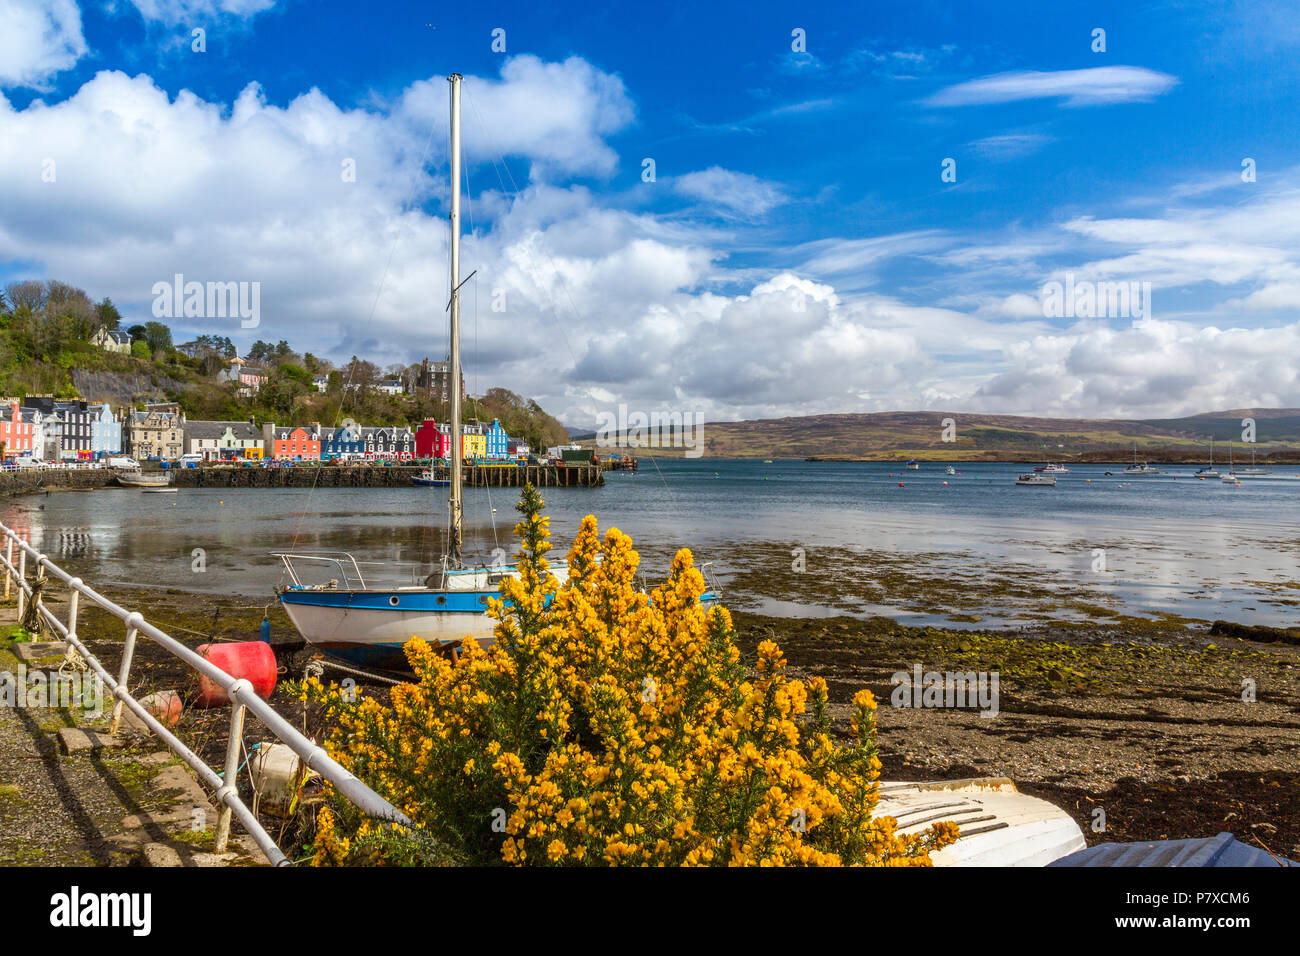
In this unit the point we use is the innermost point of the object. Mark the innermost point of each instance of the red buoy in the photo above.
(252, 660)
(900, 484)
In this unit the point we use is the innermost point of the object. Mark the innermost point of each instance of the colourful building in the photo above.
(346, 440)
(16, 431)
(429, 441)
(496, 441)
(295, 444)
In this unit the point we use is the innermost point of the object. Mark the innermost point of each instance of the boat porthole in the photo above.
(393, 600)
(442, 599)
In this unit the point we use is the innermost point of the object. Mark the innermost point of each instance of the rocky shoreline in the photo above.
(1146, 724)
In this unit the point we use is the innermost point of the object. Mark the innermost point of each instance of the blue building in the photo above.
(347, 440)
(105, 431)
(498, 442)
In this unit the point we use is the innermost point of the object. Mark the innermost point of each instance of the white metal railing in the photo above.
(239, 691)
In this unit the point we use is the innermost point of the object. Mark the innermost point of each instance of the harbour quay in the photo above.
(388, 476)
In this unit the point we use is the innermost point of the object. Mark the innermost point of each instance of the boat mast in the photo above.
(453, 499)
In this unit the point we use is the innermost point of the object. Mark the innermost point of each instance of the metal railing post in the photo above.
(22, 580)
(124, 672)
(230, 779)
(9, 557)
(74, 598)
(40, 578)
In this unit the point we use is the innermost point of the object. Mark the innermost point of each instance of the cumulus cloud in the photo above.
(602, 304)
(38, 38)
(1091, 87)
(1152, 367)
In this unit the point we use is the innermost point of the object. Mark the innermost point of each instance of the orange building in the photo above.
(295, 444)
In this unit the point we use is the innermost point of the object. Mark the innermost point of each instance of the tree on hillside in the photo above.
(260, 352)
(317, 366)
(208, 345)
(158, 336)
(27, 295)
(106, 313)
(136, 331)
(360, 373)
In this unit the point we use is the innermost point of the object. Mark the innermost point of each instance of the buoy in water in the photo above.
(901, 485)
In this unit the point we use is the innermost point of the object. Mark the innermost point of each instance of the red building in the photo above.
(432, 440)
(15, 433)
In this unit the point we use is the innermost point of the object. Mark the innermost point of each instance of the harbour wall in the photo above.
(396, 476)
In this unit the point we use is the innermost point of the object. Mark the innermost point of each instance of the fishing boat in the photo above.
(950, 470)
(135, 478)
(1036, 479)
(428, 477)
(1051, 468)
(1209, 471)
(366, 623)
(1142, 468)
(1230, 479)
(912, 465)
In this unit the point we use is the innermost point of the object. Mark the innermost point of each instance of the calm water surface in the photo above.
(1170, 540)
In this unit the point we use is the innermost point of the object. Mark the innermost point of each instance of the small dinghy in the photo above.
(999, 825)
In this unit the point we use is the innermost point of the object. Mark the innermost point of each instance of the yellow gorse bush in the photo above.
(608, 726)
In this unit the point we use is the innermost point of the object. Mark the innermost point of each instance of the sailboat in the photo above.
(1140, 469)
(1209, 471)
(1252, 471)
(365, 624)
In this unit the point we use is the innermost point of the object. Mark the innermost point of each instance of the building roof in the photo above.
(242, 431)
(118, 336)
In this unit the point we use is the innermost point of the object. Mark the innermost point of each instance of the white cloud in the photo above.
(188, 12)
(1009, 146)
(38, 38)
(731, 193)
(556, 114)
(1090, 87)
(606, 304)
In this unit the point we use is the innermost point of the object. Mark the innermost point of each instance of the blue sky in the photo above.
(798, 251)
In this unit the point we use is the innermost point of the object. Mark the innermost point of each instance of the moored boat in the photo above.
(1036, 479)
(999, 826)
(135, 478)
(429, 477)
(1141, 468)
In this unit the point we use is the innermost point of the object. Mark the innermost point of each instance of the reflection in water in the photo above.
(1172, 543)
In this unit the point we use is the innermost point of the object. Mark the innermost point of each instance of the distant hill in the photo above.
(890, 435)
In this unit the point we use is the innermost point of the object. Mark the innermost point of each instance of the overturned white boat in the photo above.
(999, 826)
